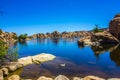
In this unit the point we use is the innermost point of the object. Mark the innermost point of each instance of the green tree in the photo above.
(0, 31)
(23, 36)
(95, 30)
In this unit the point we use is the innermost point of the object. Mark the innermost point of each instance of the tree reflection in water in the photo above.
(23, 43)
(113, 49)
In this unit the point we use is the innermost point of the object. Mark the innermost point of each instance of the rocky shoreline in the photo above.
(62, 77)
(7, 69)
(13, 66)
(99, 38)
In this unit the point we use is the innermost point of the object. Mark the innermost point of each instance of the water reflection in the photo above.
(115, 55)
(55, 40)
(23, 43)
(113, 49)
(103, 48)
(79, 61)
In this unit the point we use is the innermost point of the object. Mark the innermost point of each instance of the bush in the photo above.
(12, 54)
(3, 48)
(6, 54)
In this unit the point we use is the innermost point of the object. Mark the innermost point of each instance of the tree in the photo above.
(23, 36)
(95, 30)
(0, 31)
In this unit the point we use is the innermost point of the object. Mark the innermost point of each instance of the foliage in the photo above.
(6, 54)
(15, 37)
(12, 54)
(0, 31)
(3, 48)
(23, 36)
(96, 29)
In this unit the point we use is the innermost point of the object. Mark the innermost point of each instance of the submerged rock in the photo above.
(77, 78)
(36, 59)
(61, 77)
(114, 79)
(44, 78)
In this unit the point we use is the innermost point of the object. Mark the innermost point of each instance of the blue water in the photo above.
(102, 61)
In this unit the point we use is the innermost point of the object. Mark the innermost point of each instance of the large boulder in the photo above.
(14, 66)
(42, 58)
(25, 60)
(36, 59)
(114, 26)
(104, 38)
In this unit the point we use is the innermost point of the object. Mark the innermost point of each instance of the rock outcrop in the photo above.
(114, 26)
(8, 38)
(57, 34)
(99, 38)
(104, 38)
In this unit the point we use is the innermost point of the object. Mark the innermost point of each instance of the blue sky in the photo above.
(41, 16)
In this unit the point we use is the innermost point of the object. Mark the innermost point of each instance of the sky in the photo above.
(41, 16)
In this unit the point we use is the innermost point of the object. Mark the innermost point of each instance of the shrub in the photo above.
(12, 54)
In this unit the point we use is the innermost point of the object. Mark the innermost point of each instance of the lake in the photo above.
(102, 61)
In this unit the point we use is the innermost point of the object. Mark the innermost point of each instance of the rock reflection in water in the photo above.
(115, 55)
(103, 48)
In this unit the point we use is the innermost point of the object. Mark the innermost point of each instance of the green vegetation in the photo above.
(96, 29)
(22, 36)
(7, 54)
(12, 54)
(3, 48)
(15, 37)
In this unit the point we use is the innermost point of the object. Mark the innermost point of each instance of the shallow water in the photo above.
(102, 61)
